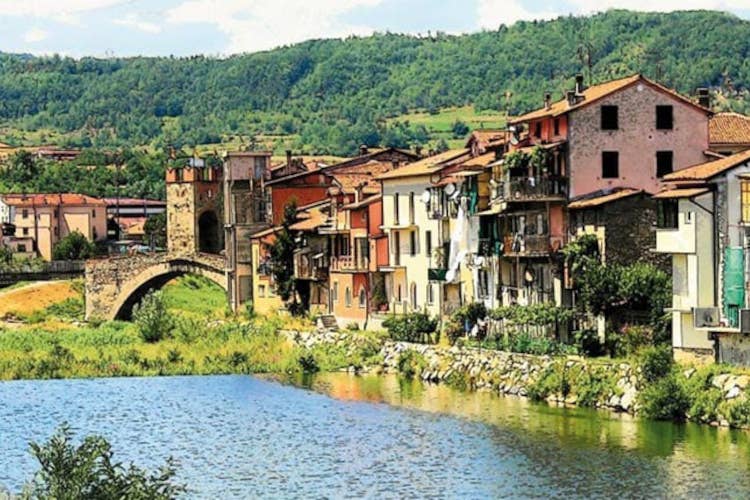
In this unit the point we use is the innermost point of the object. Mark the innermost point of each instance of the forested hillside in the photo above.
(329, 96)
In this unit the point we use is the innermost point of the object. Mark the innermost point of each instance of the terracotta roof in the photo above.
(480, 161)
(729, 128)
(350, 178)
(603, 198)
(485, 136)
(426, 166)
(40, 200)
(705, 171)
(680, 193)
(363, 203)
(594, 93)
(316, 220)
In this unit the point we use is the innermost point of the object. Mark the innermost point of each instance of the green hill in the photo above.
(328, 96)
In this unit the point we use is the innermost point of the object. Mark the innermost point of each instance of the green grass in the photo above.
(442, 121)
(196, 296)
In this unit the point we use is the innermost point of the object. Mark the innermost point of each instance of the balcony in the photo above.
(349, 264)
(523, 189)
(526, 245)
(489, 247)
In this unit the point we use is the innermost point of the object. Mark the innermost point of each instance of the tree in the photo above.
(156, 230)
(69, 472)
(282, 258)
(74, 246)
(460, 129)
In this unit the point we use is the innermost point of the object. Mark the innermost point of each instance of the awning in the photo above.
(672, 194)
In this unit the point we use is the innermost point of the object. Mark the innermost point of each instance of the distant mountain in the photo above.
(332, 95)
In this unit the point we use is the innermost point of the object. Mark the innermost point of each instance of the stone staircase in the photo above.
(327, 321)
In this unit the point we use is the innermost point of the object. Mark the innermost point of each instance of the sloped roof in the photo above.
(729, 128)
(603, 198)
(40, 200)
(594, 93)
(680, 193)
(485, 136)
(317, 219)
(363, 203)
(426, 166)
(350, 178)
(705, 171)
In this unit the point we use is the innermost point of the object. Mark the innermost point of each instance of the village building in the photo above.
(42, 220)
(126, 217)
(704, 215)
(729, 133)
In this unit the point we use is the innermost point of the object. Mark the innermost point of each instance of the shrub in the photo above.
(74, 246)
(152, 318)
(738, 413)
(554, 380)
(414, 327)
(411, 363)
(587, 343)
(664, 399)
(633, 338)
(308, 363)
(88, 471)
(655, 362)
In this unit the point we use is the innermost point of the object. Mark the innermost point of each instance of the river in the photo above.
(346, 436)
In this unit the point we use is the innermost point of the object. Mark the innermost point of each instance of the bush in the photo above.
(587, 343)
(74, 246)
(308, 364)
(88, 471)
(152, 318)
(414, 327)
(664, 399)
(655, 362)
(411, 363)
(633, 338)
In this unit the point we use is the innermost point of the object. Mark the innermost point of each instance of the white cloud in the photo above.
(66, 11)
(133, 20)
(492, 13)
(35, 35)
(253, 25)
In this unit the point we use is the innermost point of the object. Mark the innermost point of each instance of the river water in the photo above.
(375, 437)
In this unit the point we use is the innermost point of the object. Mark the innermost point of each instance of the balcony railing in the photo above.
(347, 263)
(534, 188)
(306, 268)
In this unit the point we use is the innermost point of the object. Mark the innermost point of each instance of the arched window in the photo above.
(348, 297)
(362, 298)
(414, 295)
(430, 294)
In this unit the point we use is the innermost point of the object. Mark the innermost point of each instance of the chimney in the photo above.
(579, 84)
(547, 100)
(571, 96)
(363, 150)
(288, 161)
(704, 98)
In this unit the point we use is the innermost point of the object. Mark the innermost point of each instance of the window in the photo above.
(412, 243)
(260, 167)
(557, 126)
(25, 213)
(399, 294)
(261, 291)
(666, 214)
(21, 248)
(745, 200)
(610, 164)
(335, 291)
(483, 284)
(348, 297)
(397, 248)
(414, 295)
(26, 231)
(362, 298)
(610, 117)
(538, 129)
(428, 243)
(395, 208)
(93, 214)
(430, 294)
(664, 163)
(411, 208)
(664, 119)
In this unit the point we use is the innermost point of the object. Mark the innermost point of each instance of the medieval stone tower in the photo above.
(194, 209)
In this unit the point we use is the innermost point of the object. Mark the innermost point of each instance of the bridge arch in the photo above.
(114, 287)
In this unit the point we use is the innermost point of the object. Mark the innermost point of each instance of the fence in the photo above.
(64, 269)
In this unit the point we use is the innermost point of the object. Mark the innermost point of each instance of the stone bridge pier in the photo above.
(115, 285)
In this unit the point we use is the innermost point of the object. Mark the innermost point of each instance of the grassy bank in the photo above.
(53, 342)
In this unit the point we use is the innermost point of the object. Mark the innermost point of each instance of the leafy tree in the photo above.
(69, 472)
(156, 230)
(282, 259)
(459, 129)
(151, 316)
(74, 246)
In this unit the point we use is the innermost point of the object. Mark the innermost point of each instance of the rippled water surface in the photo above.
(242, 437)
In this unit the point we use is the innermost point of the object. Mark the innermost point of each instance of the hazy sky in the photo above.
(184, 27)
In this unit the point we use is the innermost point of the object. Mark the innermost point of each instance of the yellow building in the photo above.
(264, 298)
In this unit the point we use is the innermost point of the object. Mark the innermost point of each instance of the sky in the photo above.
(222, 27)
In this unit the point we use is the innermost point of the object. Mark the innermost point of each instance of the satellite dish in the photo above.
(426, 197)
(450, 189)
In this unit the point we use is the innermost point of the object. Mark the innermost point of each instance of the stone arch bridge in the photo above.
(115, 285)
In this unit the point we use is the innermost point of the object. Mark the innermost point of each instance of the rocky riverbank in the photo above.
(713, 397)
